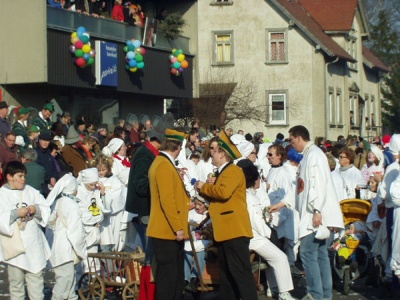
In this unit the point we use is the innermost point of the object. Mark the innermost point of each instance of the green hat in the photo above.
(225, 143)
(24, 111)
(174, 135)
(49, 107)
(34, 128)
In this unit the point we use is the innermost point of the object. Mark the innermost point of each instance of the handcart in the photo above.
(116, 271)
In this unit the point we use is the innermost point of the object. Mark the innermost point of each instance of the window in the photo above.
(339, 119)
(277, 46)
(332, 118)
(353, 110)
(277, 107)
(373, 109)
(223, 47)
(352, 50)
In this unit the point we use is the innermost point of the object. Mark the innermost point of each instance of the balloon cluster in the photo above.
(81, 48)
(178, 61)
(134, 55)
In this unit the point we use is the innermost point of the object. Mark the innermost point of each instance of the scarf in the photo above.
(151, 148)
(342, 169)
(125, 162)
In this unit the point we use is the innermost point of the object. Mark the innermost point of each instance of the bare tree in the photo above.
(224, 98)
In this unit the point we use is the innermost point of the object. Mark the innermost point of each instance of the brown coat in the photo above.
(74, 159)
(228, 206)
(169, 200)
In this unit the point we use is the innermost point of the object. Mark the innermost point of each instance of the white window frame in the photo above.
(270, 115)
(352, 50)
(332, 108)
(216, 43)
(373, 111)
(339, 106)
(270, 40)
(353, 102)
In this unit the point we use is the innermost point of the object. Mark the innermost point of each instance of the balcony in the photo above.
(108, 29)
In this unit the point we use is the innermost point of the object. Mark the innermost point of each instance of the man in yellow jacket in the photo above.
(231, 222)
(168, 223)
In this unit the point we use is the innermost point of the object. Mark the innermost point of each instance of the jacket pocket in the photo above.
(226, 212)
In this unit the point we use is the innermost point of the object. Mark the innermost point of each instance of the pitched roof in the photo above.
(337, 15)
(371, 61)
(303, 19)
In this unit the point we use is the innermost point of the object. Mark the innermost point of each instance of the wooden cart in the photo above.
(112, 271)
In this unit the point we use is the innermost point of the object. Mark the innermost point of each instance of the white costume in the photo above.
(339, 184)
(204, 168)
(395, 196)
(114, 201)
(199, 245)
(278, 274)
(29, 265)
(351, 177)
(118, 168)
(66, 237)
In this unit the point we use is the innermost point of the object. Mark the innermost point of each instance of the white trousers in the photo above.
(17, 278)
(395, 261)
(64, 288)
(278, 272)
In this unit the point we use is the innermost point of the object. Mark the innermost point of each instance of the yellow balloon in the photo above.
(74, 40)
(181, 57)
(86, 48)
(73, 34)
(173, 50)
(133, 69)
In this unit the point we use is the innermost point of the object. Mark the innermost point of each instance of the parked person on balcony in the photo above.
(117, 13)
(96, 8)
(162, 15)
(42, 120)
(5, 125)
(131, 15)
(19, 127)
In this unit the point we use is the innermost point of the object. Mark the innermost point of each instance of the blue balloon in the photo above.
(132, 63)
(131, 47)
(137, 43)
(140, 65)
(86, 56)
(130, 55)
(129, 42)
(81, 30)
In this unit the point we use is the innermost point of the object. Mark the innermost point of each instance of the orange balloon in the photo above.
(184, 64)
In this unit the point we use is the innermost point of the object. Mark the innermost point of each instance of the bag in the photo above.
(322, 233)
(12, 245)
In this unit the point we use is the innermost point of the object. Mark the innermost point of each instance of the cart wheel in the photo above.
(131, 291)
(346, 281)
(91, 287)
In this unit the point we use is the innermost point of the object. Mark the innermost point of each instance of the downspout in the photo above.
(327, 107)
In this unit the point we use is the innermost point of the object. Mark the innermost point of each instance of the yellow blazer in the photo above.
(228, 207)
(169, 200)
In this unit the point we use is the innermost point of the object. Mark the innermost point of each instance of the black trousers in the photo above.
(169, 277)
(236, 277)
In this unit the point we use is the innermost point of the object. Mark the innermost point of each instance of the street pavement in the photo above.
(359, 291)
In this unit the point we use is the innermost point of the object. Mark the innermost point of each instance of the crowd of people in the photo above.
(70, 188)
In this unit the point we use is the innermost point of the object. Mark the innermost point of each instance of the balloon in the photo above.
(72, 49)
(184, 64)
(177, 73)
(74, 40)
(140, 65)
(181, 57)
(127, 67)
(131, 48)
(125, 48)
(173, 50)
(128, 42)
(86, 48)
(73, 34)
(177, 65)
(85, 37)
(133, 70)
(174, 71)
(177, 52)
(92, 53)
(137, 43)
(131, 55)
(78, 53)
(138, 50)
(90, 61)
(171, 56)
(180, 70)
(86, 56)
(132, 63)
(81, 29)
(79, 44)
(143, 51)
(174, 59)
(139, 57)
(80, 62)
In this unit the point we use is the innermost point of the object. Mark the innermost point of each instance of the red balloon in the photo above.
(143, 51)
(80, 62)
(79, 45)
(174, 71)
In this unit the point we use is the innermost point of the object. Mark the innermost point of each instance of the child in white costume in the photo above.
(32, 214)
(114, 201)
(66, 236)
(91, 194)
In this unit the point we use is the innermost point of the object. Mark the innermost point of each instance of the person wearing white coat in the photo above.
(117, 150)
(66, 236)
(278, 273)
(317, 204)
(23, 206)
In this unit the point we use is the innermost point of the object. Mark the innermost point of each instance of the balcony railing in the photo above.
(108, 29)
